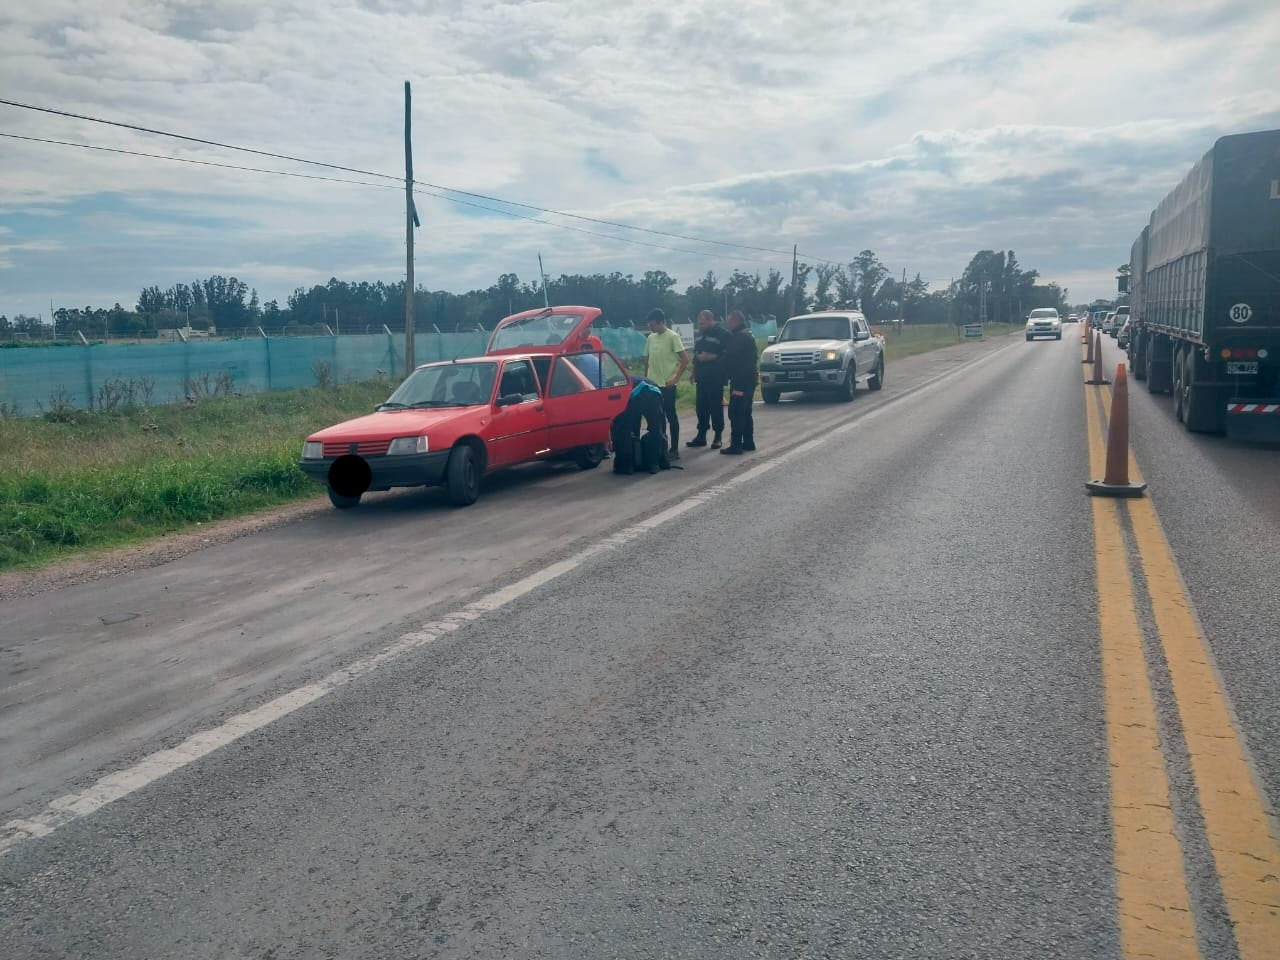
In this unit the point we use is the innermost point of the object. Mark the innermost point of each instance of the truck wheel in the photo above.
(771, 396)
(1179, 378)
(877, 378)
(849, 388)
(462, 476)
(342, 503)
(590, 457)
(1149, 363)
(1201, 410)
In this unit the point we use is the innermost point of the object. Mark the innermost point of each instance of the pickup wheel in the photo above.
(771, 396)
(342, 503)
(462, 476)
(590, 457)
(877, 378)
(849, 388)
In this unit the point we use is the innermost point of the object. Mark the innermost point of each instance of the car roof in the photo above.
(843, 314)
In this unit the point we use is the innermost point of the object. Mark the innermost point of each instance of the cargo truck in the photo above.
(1204, 292)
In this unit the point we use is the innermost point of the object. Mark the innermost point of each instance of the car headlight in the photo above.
(831, 355)
(403, 445)
(313, 450)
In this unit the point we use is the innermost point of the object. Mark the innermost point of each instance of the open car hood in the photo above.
(536, 341)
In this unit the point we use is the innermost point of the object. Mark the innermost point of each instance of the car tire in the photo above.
(849, 386)
(462, 476)
(589, 457)
(771, 396)
(877, 378)
(1030, 338)
(340, 502)
(1178, 380)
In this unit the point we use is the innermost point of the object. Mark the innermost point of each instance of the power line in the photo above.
(383, 186)
(387, 176)
(203, 163)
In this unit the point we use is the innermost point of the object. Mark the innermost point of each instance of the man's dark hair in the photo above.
(656, 316)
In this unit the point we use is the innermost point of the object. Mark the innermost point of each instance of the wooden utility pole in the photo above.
(410, 221)
(795, 268)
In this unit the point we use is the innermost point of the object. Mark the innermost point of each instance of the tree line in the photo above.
(993, 280)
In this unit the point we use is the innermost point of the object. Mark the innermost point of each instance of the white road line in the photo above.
(114, 786)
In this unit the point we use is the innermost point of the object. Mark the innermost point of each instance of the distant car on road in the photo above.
(541, 392)
(1071, 318)
(829, 352)
(1122, 337)
(1115, 320)
(1044, 322)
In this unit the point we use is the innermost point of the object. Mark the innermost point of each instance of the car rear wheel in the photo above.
(771, 396)
(589, 457)
(462, 476)
(342, 503)
(877, 378)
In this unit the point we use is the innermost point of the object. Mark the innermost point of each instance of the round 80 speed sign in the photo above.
(1240, 312)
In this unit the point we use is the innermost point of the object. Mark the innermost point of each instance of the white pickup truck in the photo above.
(822, 352)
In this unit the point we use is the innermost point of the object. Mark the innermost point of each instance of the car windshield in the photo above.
(539, 330)
(1044, 314)
(445, 385)
(816, 328)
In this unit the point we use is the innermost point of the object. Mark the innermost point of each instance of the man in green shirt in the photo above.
(665, 363)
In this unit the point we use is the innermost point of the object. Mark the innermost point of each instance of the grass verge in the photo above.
(108, 479)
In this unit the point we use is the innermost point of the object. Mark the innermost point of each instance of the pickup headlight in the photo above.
(404, 445)
(313, 450)
(831, 355)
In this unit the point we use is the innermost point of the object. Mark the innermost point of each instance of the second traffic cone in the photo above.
(1116, 482)
(1095, 353)
(1088, 340)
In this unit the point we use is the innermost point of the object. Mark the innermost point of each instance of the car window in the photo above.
(587, 364)
(543, 366)
(567, 378)
(543, 329)
(446, 383)
(816, 328)
(611, 373)
(517, 377)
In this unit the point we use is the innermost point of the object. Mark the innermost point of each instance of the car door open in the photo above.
(518, 430)
(586, 392)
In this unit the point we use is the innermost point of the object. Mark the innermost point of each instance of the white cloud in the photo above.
(910, 127)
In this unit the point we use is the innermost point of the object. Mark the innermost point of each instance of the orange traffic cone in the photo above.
(1095, 354)
(1087, 328)
(1116, 482)
(1088, 340)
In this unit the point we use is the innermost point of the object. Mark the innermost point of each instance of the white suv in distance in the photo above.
(1044, 322)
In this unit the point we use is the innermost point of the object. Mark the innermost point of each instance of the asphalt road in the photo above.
(845, 698)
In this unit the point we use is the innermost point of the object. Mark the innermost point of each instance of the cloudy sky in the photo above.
(923, 129)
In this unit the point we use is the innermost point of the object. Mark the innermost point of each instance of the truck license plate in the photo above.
(799, 374)
(1236, 368)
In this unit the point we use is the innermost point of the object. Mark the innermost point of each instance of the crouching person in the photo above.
(636, 449)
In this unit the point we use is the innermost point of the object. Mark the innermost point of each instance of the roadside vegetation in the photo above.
(77, 480)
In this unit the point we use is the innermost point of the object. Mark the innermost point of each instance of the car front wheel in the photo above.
(877, 378)
(771, 396)
(342, 503)
(849, 388)
(462, 476)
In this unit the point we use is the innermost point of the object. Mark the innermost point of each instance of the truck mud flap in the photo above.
(1254, 421)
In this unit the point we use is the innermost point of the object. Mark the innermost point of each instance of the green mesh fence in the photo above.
(35, 379)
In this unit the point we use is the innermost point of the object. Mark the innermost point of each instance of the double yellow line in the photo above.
(1154, 902)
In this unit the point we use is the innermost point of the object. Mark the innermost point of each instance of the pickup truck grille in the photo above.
(364, 448)
(796, 358)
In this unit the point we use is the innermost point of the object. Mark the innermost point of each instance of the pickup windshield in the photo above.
(541, 330)
(1045, 313)
(445, 385)
(816, 328)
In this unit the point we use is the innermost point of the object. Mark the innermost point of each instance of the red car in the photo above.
(544, 390)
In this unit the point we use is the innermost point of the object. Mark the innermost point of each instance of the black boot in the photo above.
(700, 440)
(715, 444)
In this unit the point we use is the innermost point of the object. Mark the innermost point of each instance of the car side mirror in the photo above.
(773, 339)
(862, 335)
(510, 399)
